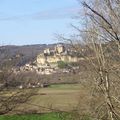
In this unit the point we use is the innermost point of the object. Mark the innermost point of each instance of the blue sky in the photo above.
(35, 21)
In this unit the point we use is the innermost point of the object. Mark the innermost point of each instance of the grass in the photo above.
(60, 96)
(47, 116)
(50, 116)
(66, 86)
(64, 97)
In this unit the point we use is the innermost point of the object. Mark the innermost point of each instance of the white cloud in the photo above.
(60, 13)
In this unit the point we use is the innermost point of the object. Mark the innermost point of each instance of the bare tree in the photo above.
(101, 35)
(10, 99)
(9, 102)
(103, 29)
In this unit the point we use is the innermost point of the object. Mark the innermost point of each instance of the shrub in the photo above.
(62, 64)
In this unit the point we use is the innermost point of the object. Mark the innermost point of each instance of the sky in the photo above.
(25, 22)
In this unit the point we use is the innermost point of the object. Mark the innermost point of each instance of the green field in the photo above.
(51, 116)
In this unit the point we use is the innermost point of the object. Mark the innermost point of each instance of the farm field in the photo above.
(44, 104)
(62, 97)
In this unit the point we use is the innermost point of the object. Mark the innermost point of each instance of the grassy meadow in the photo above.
(51, 116)
(64, 97)
(60, 97)
(47, 116)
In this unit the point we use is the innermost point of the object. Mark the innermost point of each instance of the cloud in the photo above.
(60, 13)
(56, 14)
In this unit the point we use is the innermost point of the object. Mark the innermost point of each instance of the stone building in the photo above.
(47, 51)
(41, 59)
(53, 56)
(60, 48)
(46, 63)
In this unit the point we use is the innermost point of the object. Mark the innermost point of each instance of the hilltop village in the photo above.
(47, 62)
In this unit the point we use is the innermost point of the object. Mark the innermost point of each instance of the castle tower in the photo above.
(47, 51)
(60, 48)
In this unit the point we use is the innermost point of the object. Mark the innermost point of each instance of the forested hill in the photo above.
(19, 55)
(11, 55)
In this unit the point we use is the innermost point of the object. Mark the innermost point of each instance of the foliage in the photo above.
(62, 64)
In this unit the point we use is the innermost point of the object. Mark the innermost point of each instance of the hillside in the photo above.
(20, 55)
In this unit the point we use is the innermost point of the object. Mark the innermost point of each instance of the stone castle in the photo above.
(53, 56)
(47, 62)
